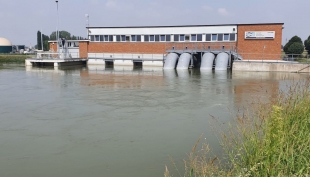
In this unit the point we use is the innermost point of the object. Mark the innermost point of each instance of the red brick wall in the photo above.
(53, 47)
(252, 49)
(83, 47)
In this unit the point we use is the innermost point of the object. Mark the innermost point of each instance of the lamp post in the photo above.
(57, 33)
(87, 23)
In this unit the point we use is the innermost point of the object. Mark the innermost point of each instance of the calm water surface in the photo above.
(96, 121)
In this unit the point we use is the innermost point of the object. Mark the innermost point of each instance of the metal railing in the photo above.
(289, 58)
(56, 55)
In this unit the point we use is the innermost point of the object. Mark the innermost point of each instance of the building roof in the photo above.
(5, 42)
(190, 25)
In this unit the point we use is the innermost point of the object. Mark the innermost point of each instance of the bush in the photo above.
(295, 48)
(307, 44)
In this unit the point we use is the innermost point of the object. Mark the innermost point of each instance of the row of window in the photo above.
(164, 38)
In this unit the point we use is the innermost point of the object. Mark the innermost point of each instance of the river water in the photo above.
(96, 121)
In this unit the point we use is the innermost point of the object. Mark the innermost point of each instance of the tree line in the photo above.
(53, 37)
(296, 46)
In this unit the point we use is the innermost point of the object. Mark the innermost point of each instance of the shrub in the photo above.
(290, 42)
(295, 48)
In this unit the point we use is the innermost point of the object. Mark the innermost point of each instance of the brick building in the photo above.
(248, 41)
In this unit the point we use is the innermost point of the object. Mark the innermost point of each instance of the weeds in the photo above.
(269, 139)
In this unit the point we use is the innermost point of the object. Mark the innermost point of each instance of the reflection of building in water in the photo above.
(251, 86)
(122, 77)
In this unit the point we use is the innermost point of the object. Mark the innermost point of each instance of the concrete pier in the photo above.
(55, 62)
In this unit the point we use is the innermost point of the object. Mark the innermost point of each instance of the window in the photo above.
(176, 37)
(111, 38)
(168, 37)
(232, 37)
(214, 37)
(156, 38)
(97, 38)
(162, 37)
(187, 37)
(106, 38)
(127, 38)
(133, 38)
(152, 38)
(220, 37)
(226, 37)
(146, 38)
(182, 37)
(139, 38)
(118, 38)
(101, 37)
(193, 37)
(92, 38)
(208, 37)
(123, 37)
(199, 37)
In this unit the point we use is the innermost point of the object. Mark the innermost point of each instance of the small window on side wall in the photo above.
(214, 37)
(97, 38)
(133, 38)
(118, 38)
(232, 37)
(139, 38)
(199, 37)
(106, 38)
(182, 37)
(152, 38)
(193, 37)
(162, 38)
(176, 37)
(111, 38)
(146, 38)
(208, 37)
(168, 38)
(226, 37)
(156, 38)
(220, 37)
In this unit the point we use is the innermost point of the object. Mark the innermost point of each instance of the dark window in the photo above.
(214, 37)
(186, 37)
(123, 38)
(146, 38)
(97, 38)
(127, 38)
(152, 38)
(162, 37)
(106, 38)
(156, 38)
(182, 37)
(101, 37)
(193, 37)
(92, 38)
(199, 37)
(133, 38)
(220, 37)
(168, 38)
(232, 37)
(139, 38)
(226, 37)
(176, 37)
(118, 38)
(208, 37)
(111, 38)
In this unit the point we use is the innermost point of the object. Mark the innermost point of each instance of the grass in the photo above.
(269, 139)
(13, 58)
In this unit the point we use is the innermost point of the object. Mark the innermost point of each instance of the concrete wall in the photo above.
(280, 67)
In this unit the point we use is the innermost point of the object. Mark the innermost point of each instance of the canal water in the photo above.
(96, 121)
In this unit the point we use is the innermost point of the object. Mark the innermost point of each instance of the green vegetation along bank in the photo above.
(270, 139)
(13, 58)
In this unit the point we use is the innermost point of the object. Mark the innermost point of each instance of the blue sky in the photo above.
(21, 19)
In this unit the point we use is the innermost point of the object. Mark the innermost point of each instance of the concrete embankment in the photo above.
(270, 66)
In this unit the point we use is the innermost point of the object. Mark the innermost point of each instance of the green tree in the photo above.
(307, 44)
(295, 48)
(39, 40)
(294, 39)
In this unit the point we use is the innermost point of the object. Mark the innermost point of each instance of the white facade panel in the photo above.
(163, 30)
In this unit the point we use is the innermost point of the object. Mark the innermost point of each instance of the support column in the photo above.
(28, 63)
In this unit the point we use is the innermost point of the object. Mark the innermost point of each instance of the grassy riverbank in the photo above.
(13, 58)
(270, 139)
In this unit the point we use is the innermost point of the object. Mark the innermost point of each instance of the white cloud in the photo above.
(111, 4)
(207, 8)
(222, 11)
